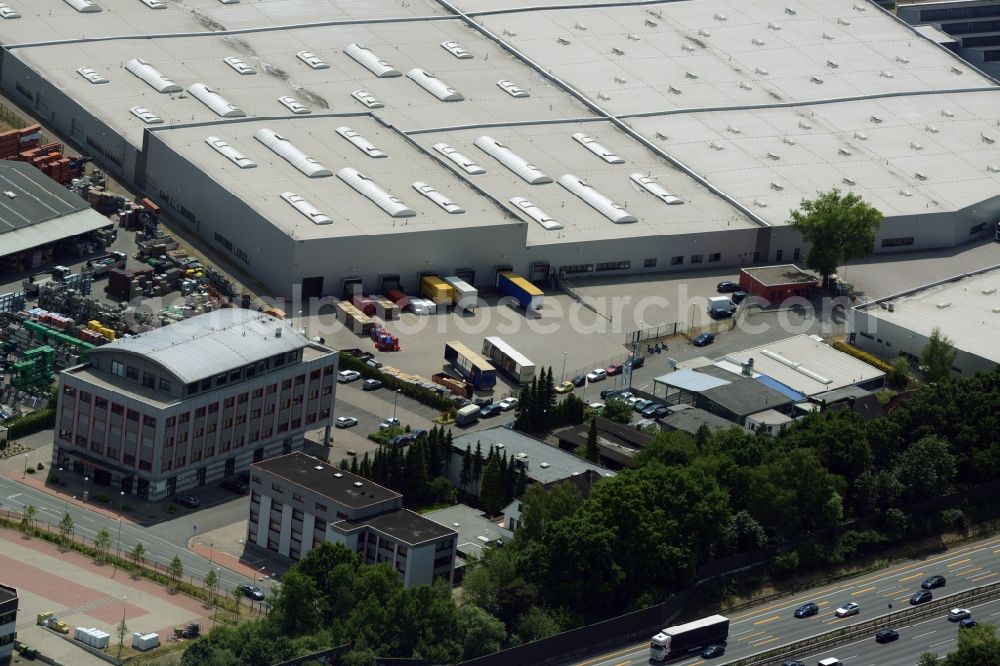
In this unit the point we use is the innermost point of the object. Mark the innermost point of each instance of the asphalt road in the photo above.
(756, 629)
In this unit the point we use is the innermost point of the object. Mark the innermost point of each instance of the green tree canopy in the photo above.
(491, 487)
(838, 227)
(938, 356)
(617, 410)
(593, 453)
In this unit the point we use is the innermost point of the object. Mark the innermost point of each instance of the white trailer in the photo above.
(466, 296)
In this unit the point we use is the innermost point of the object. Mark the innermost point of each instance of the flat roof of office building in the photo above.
(403, 525)
(780, 275)
(966, 311)
(475, 530)
(326, 480)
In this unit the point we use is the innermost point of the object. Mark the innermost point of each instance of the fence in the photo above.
(650, 334)
(11, 117)
(567, 288)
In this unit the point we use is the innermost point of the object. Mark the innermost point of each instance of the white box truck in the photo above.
(466, 296)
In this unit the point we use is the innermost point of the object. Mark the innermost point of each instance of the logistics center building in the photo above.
(327, 144)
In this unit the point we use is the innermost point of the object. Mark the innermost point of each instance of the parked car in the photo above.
(956, 614)
(886, 636)
(510, 425)
(739, 296)
(371, 385)
(598, 406)
(727, 287)
(609, 393)
(508, 404)
(933, 582)
(578, 381)
(388, 423)
(418, 433)
(252, 591)
(401, 440)
(346, 422)
(597, 374)
(967, 623)
(807, 609)
(345, 376)
(848, 609)
(564, 387)
(651, 409)
(713, 651)
(191, 501)
(641, 404)
(635, 362)
(614, 369)
(236, 486)
(921, 597)
(487, 411)
(704, 340)
(660, 412)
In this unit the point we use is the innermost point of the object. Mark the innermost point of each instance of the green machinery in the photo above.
(36, 368)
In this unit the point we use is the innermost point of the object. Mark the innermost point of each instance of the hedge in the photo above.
(870, 359)
(418, 393)
(36, 421)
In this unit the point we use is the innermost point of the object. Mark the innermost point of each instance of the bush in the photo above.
(126, 506)
(30, 470)
(53, 478)
(870, 359)
(383, 436)
(418, 393)
(785, 563)
(36, 421)
(102, 498)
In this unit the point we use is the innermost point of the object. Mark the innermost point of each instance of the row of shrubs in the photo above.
(418, 393)
(870, 359)
(36, 421)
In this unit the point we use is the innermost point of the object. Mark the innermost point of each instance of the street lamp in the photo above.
(25, 472)
(562, 377)
(121, 510)
(394, 401)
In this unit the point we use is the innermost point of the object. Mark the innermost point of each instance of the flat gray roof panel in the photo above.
(691, 380)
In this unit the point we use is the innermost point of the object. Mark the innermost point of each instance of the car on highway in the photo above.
(345, 376)
(371, 385)
(933, 582)
(564, 387)
(487, 411)
(597, 375)
(190, 501)
(967, 623)
(956, 614)
(704, 340)
(252, 591)
(508, 404)
(614, 369)
(792, 663)
(235, 485)
(578, 381)
(848, 609)
(806, 610)
(921, 597)
(886, 635)
(713, 651)
(727, 287)
(389, 423)
(346, 422)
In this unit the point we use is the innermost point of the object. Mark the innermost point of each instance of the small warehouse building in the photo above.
(617, 443)
(774, 284)
(691, 419)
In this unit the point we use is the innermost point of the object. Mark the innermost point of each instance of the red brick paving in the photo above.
(112, 612)
(222, 558)
(48, 585)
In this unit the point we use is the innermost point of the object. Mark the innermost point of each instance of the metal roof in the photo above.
(319, 477)
(210, 344)
(784, 389)
(690, 380)
(475, 530)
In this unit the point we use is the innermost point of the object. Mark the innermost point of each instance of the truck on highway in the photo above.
(684, 638)
(527, 295)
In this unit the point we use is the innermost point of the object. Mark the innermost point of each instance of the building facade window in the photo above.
(897, 242)
(697, 258)
(715, 256)
(676, 261)
(649, 263)
(614, 266)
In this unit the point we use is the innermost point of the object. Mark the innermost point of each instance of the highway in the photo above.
(760, 628)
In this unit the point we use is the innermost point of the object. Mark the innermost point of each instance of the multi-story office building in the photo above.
(298, 502)
(8, 621)
(183, 405)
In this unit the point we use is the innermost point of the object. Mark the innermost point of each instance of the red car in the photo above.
(614, 369)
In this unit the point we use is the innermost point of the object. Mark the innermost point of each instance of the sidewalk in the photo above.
(226, 546)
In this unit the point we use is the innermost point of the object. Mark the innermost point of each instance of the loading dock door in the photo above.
(352, 286)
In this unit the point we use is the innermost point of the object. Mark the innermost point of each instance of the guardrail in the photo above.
(832, 639)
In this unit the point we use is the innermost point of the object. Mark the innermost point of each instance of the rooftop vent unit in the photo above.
(745, 86)
(674, 90)
(886, 74)
(732, 129)
(9, 194)
(617, 51)
(336, 475)
(989, 292)
(307, 209)
(83, 6)
(956, 70)
(603, 96)
(658, 13)
(919, 176)
(805, 125)
(311, 59)
(757, 42)
(773, 26)
(687, 47)
(947, 113)
(632, 36)
(367, 59)
(543, 465)
(509, 33)
(876, 119)
(858, 7)
(366, 187)
(902, 59)
(434, 85)
(987, 138)
(456, 50)
(720, 17)
(579, 26)
(650, 186)
(843, 21)
(230, 153)
(704, 33)
(651, 23)
(548, 222)
(993, 168)
(690, 75)
(515, 90)
(931, 128)
(777, 187)
(151, 76)
(773, 156)
(562, 40)
(367, 99)
(593, 146)
(661, 136)
(154, 4)
(241, 67)
(619, 79)
(816, 79)
(92, 75)
(714, 145)
(501, 153)
(849, 181)
(844, 152)
(860, 136)
(599, 202)
(827, 35)
(788, 140)
(360, 142)
(216, 102)
(358, 484)
(832, 64)
(943, 305)
(458, 158)
(285, 149)
(916, 146)
(762, 71)
(903, 192)
(441, 200)
(760, 203)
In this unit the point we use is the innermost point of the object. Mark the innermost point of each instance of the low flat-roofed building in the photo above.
(177, 407)
(964, 308)
(737, 400)
(692, 419)
(582, 482)
(774, 284)
(617, 443)
(768, 422)
(475, 531)
(298, 502)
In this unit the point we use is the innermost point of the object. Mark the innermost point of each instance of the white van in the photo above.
(830, 661)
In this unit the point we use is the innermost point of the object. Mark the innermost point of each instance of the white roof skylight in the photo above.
(650, 186)
(458, 158)
(306, 208)
(367, 59)
(501, 153)
(434, 85)
(593, 146)
(447, 204)
(287, 150)
(230, 153)
(152, 76)
(83, 6)
(363, 144)
(599, 202)
(537, 214)
(216, 102)
(367, 187)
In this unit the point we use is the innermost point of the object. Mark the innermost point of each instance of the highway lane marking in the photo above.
(955, 564)
(916, 575)
(886, 589)
(867, 589)
(610, 655)
(742, 632)
(966, 571)
(770, 619)
(622, 663)
(913, 638)
(756, 633)
(891, 594)
(941, 643)
(764, 642)
(985, 575)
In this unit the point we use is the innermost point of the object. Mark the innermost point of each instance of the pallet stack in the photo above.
(13, 142)
(353, 318)
(385, 308)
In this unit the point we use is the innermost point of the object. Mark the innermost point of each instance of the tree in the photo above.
(541, 506)
(838, 227)
(66, 528)
(298, 607)
(176, 570)
(137, 555)
(937, 357)
(491, 487)
(415, 478)
(617, 410)
(593, 453)
(977, 646)
(900, 376)
(926, 469)
(480, 632)
(466, 474)
(28, 520)
(102, 544)
(211, 581)
(477, 462)
(122, 632)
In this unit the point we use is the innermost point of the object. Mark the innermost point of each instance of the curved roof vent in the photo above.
(83, 6)
(441, 200)
(501, 153)
(849, 181)
(367, 59)
(757, 42)
(593, 146)
(762, 71)
(902, 59)
(287, 150)
(456, 50)
(599, 202)
(367, 187)
(458, 158)
(860, 136)
(844, 151)
(216, 102)
(788, 140)
(886, 74)
(360, 142)
(310, 211)
(827, 35)
(434, 85)
(230, 153)
(843, 21)
(803, 124)
(548, 222)
(650, 186)
(151, 76)
(947, 113)
(816, 79)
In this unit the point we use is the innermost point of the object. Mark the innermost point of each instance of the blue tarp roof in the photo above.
(770, 382)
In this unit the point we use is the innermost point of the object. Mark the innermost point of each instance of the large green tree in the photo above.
(926, 469)
(543, 505)
(977, 646)
(938, 356)
(593, 452)
(838, 227)
(491, 487)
